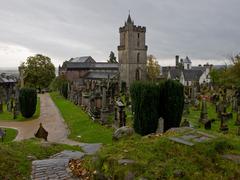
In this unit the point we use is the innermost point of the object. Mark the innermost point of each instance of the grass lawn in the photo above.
(80, 124)
(14, 162)
(10, 135)
(160, 158)
(9, 115)
(194, 116)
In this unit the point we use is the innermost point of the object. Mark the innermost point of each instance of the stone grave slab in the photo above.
(190, 138)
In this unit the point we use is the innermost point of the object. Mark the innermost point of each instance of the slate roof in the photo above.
(192, 75)
(79, 65)
(82, 59)
(6, 78)
(187, 60)
(189, 74)
(175, 73)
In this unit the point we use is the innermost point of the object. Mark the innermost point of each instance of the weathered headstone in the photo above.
(204, 113)
(223, 125)
(238, 118)
(122, 132)
(121, 114)
(160, 128)
(185, 123)
(238, 131)
(41, 133)
(2, 133)
(1, 106)
(208, 125)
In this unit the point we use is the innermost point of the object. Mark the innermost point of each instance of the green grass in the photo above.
(14, 162)
(159, 158)
(194, 115)
(5, 116)
(10, 135)
(80, 124)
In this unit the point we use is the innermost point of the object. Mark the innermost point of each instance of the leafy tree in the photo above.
(112, 58)
(153, 68)
(58, 82)
(234, 71)
(38, 71)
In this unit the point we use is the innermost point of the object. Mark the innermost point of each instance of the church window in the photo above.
(137, 75)
(138, 57)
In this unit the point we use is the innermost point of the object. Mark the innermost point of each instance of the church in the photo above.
(132, 56)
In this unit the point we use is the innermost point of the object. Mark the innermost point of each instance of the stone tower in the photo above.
(132, 53)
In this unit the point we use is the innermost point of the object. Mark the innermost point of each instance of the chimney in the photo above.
(177, 60)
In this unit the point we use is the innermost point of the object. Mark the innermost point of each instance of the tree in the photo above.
(112, 58)
(153, 68)
(28, 101)
(38, 71)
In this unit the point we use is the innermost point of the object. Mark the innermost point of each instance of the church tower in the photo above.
(132, 53)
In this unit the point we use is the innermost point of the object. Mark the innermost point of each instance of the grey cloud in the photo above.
(207, 29)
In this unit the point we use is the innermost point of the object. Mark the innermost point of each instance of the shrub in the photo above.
(28, 101)
(150, 101)
(64, 90)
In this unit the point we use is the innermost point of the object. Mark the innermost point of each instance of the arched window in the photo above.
(137, 75)
(138, 57)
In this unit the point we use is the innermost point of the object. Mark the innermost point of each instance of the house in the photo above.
(187, 74)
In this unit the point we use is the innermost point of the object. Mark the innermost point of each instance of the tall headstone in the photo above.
(204, 113)
(238, 117)
(160, 128)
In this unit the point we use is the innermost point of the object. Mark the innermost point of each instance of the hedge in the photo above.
(28, 101)
(150, 101)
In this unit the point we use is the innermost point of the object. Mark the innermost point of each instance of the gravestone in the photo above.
(160, 128)
(238, 131)
(2, 133)
(41, 133)
(185, 123)
(204, 114)
(238, 117)
(1, 106)
(121, 116)
(208, 125)
(104, 110)
(223, 125)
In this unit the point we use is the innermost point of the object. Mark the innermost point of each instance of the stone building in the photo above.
(187, 74)
(132, 53)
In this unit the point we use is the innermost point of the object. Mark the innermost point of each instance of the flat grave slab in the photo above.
(192, 137)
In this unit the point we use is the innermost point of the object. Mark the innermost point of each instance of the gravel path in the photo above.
(52, 121)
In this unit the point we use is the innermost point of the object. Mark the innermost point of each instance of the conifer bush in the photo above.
(28, 101)
(64, 90)
(150, 101)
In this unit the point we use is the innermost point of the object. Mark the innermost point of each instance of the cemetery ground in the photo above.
(150, 157)
(194, 115)
(16, 157)
(81, 127)
(5, 115)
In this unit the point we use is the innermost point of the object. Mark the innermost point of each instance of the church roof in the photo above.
(129, 20)
(96, 65)
(82, 59)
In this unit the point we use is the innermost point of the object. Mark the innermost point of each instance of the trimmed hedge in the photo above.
(28, 101)
(64, 90)
(150, 101)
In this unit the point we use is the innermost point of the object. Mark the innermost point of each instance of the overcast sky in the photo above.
(206, 30)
